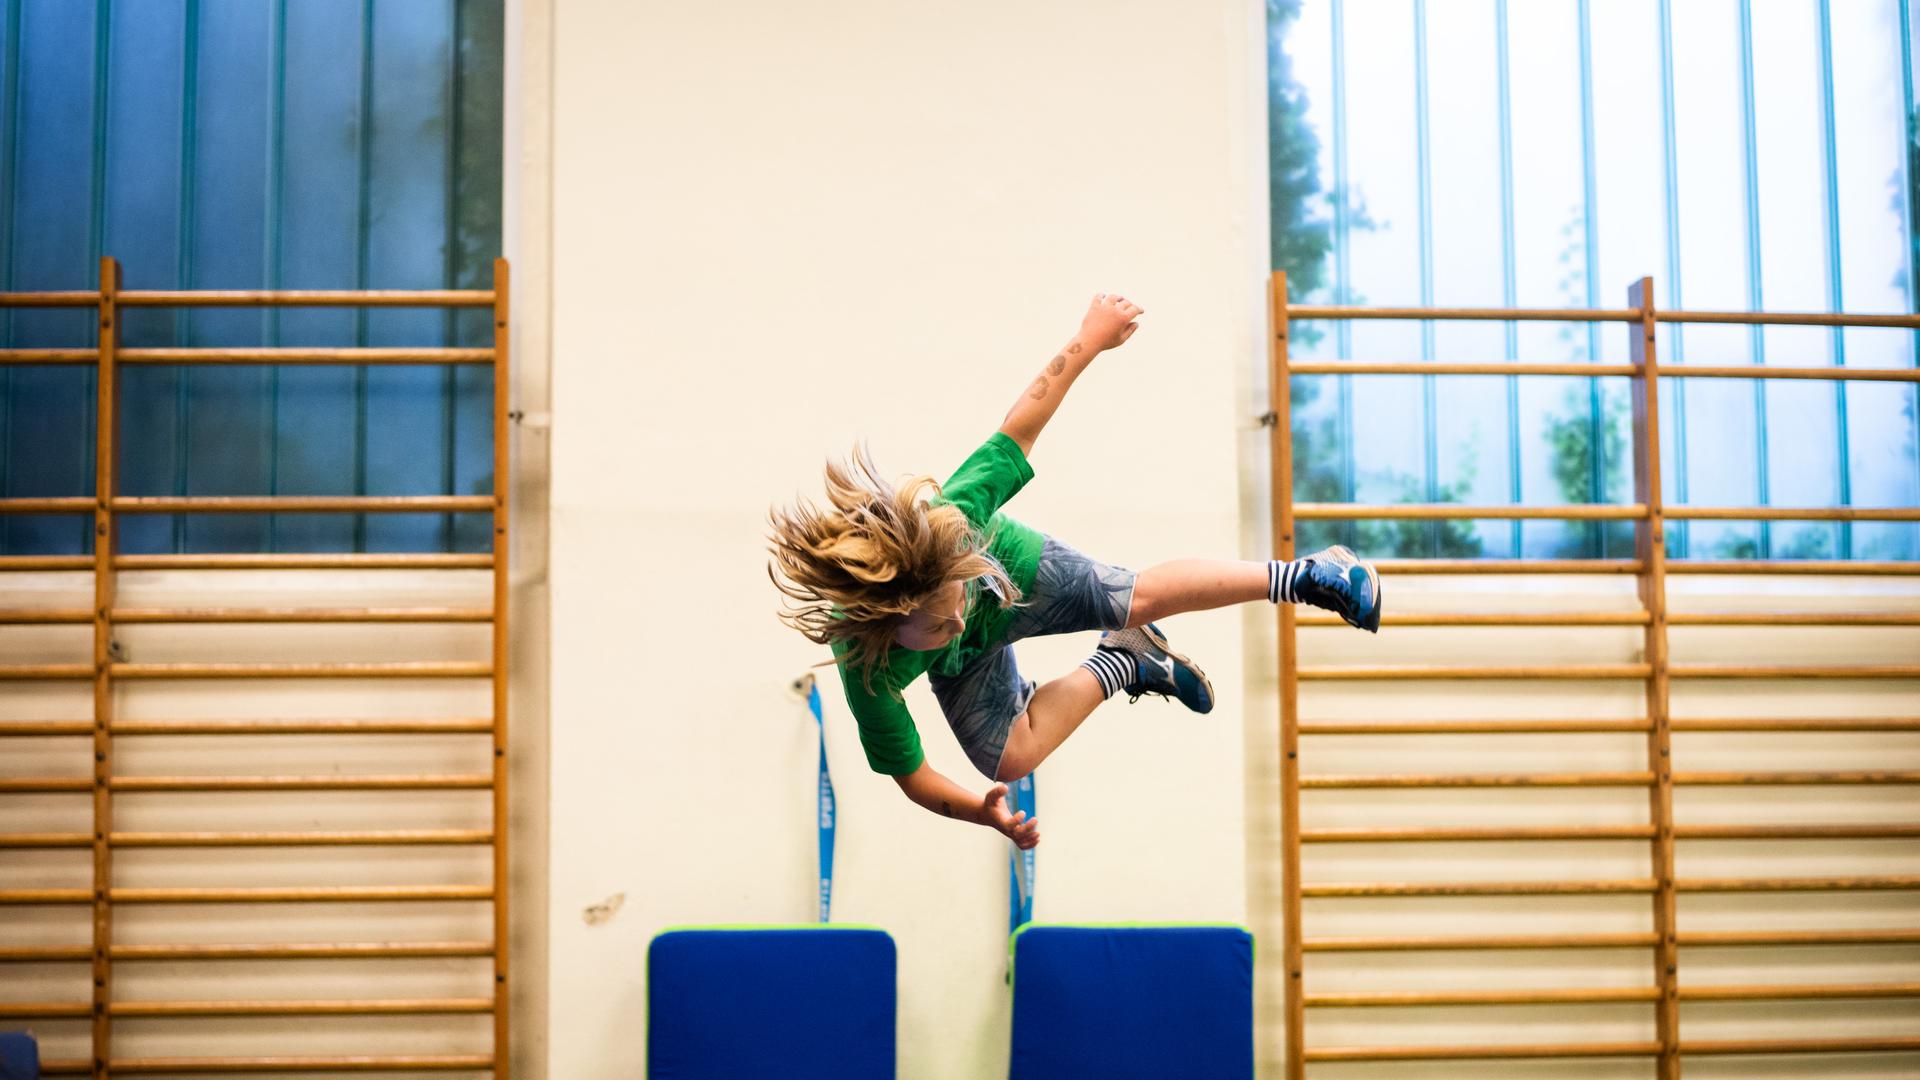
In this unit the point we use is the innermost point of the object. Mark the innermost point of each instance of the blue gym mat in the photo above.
(19, 1057)
(1132, 1002)
(800, 1003)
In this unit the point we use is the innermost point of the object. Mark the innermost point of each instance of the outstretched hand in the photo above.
(1110, 321)
(1017, 827)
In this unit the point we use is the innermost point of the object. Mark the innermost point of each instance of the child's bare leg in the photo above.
(1195, 585)
(1054, 713)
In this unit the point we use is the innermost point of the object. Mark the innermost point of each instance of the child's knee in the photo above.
(1017, 757)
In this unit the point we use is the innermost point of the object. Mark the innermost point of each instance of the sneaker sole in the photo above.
(1160, 642)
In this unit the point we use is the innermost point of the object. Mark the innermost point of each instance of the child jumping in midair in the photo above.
(915, 577)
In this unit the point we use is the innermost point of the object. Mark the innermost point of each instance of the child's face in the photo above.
(937, 622)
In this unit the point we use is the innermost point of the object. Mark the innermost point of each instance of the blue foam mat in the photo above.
(19, 1057)
(800, 1003)
(1132, 1003)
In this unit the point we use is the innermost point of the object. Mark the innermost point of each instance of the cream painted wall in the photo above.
(777, 228)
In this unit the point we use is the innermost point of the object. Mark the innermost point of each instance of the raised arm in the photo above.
(1108, 325)
(948, 799)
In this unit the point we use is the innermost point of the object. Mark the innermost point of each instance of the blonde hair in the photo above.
(878, 554)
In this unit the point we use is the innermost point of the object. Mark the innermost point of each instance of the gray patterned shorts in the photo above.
(1070, 593)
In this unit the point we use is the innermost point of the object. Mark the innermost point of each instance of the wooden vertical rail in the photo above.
(502, 477)
(1280, 435)
(104, 489)
(1650, 545)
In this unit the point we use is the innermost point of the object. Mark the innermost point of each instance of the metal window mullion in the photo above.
(1834, 298)
(362, 229)
(1509, 285)
(1342, 262)
(1591, 256)
(276, 208)
(449, 385)
(189, 215)
(1757, 338)
(1423, 170)
(1670, 133)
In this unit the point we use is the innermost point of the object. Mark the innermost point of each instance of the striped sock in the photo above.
(1281, 577)
(1112, 668)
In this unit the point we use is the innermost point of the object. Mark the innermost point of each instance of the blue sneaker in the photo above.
(1162, 671)
(1336, 580)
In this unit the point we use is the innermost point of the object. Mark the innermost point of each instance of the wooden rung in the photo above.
(1489, 1052)
(1870, 1045)
(1470, 727)
(66, 504)
(1480, 780)
(320, 894)
(1862, 831)
(283, 504)
(1795, 671)
(19, 785)
(297, 355)
(1794, 618)
(43, 616)
(1431, 367)
(1823, 374)
(1460, 512)
(1890, 882)
(45, 1010)
(1798, 723)
(1478, 942)
(1783, 318)
(1508, 566)
(391, 1007)
(1834, 567)
(296, 615)
(303, 951)
(1800, 992)
(1744, 938)
(1303, 312)
(1478, 888)
(421, 782)
(302, 298)
(1495, 618)
(1704, 939)
(1852, 776)
(335, 670)
(347, 561)
(45, 954)
(26, 897)
(66, 1067)
(1393, 672)
(368, 1063)
(10, 357)
(46, 562)
(385, 837)
(428, 726)
(1791, 513)
(25, 672)
(1409, 998)
(46, 840)
(70, 298)
(1471, 834)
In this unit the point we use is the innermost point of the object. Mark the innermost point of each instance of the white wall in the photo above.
(780, 227)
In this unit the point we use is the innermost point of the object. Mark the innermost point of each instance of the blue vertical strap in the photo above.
(1020, 877)
(825, 818)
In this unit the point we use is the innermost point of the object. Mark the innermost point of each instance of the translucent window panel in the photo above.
(1802, 421)
(141, 213)
(1725, 408)
(1629, 155)
(1869, 135)
(409, 408)
(1306, 45)
(1885, 461)
(1789, 132)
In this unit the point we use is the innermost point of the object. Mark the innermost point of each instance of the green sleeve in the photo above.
(886, 727)
(987, 479)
